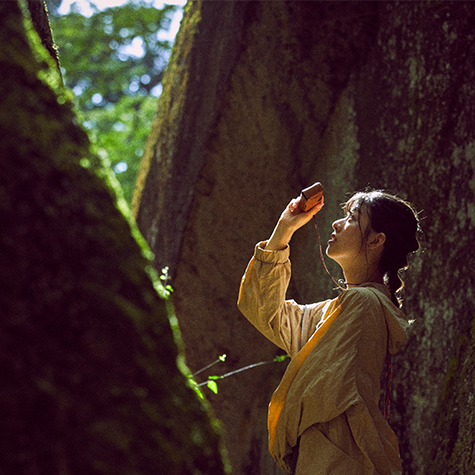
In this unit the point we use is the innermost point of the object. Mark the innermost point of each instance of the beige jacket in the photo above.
(327, 401)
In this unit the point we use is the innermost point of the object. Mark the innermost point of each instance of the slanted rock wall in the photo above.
(88, 359)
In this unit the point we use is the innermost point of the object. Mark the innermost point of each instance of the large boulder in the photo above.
(88, 357)
(260, 100)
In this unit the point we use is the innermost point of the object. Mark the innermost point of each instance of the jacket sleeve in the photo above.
(262, 298)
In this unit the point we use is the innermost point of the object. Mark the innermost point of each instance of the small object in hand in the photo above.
(311, 196)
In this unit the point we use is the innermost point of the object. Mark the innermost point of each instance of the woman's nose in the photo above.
(336, 225)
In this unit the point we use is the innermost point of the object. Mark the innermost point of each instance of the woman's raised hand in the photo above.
(291, 219)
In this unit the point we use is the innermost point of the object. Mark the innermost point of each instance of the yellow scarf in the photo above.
(278, 398)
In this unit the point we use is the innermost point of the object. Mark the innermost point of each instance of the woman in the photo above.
(324, 416)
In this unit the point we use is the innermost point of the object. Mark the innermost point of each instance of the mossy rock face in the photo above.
(90, 383)
(261, 100)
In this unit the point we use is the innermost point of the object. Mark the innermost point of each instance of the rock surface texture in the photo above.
(88, 359)
(260, 100)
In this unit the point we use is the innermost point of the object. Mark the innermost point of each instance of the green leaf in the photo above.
(222, 357)
(212, 386)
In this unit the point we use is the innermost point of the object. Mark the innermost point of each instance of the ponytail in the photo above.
(395, 284)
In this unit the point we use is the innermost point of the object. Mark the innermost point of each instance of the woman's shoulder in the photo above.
(372, 299)
(362, 295)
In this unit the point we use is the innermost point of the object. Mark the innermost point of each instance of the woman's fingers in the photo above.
(294, 217)
(291, 219)
(295, 209)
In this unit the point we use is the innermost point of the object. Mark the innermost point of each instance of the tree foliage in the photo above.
(113, 61)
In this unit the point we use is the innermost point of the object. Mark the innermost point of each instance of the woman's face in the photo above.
(346, 242)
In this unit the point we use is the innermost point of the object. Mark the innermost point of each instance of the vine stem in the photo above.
(207, 367)
(212, 378)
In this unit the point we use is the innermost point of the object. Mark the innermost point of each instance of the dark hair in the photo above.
(397, 219)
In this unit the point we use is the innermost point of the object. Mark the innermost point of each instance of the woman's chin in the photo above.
(331, 254)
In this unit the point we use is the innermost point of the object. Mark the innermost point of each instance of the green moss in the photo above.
(90, 383)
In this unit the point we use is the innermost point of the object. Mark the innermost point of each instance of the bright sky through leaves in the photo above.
(113, 54)
(165, 35)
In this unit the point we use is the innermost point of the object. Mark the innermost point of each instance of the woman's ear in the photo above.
(375, 240)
